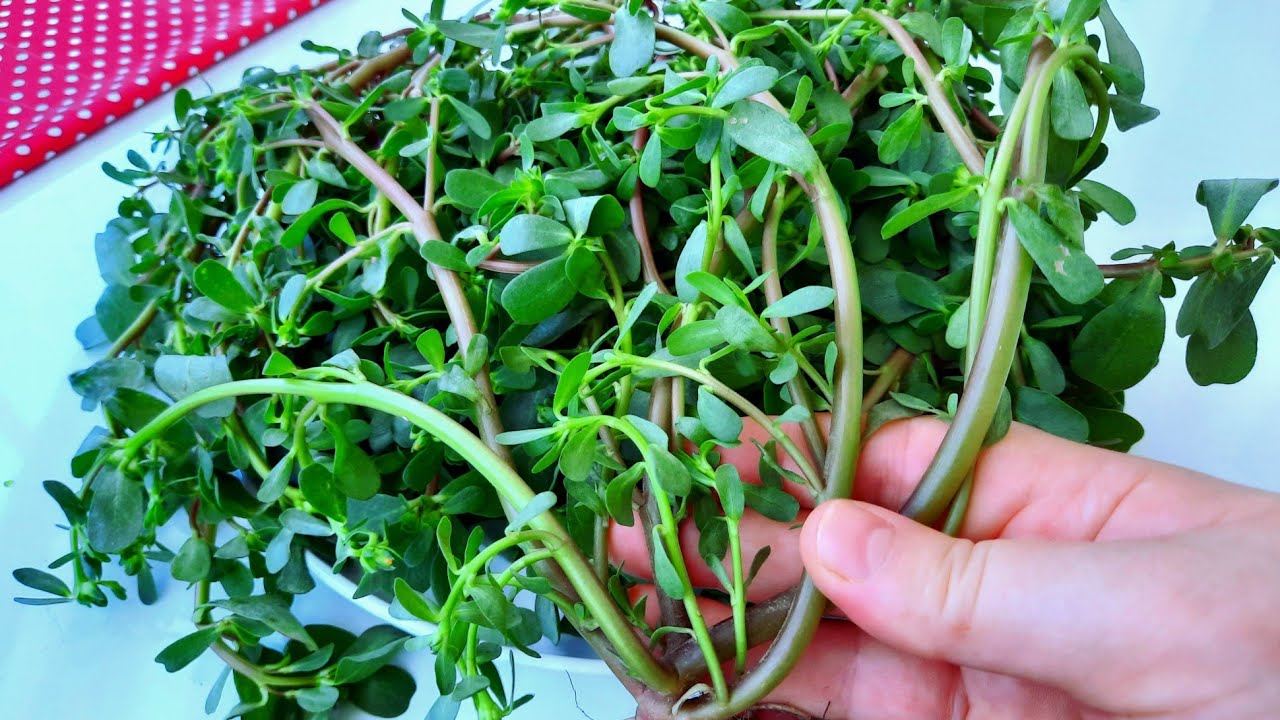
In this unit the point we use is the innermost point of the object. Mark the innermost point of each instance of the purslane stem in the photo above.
(1008, 298)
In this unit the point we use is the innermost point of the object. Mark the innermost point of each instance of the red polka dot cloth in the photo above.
(69, 67)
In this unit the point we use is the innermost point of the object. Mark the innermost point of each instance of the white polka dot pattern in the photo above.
(69, 67)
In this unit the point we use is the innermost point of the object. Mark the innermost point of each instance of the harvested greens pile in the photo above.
(442, 309)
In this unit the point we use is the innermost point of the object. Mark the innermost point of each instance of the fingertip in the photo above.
(849, 542)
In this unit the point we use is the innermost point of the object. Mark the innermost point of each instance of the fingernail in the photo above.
(852, 542)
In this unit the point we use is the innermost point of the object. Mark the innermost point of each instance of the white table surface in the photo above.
(1209, 69)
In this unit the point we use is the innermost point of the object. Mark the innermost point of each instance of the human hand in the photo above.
(1085, 583)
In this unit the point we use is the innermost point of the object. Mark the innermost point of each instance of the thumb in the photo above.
(1037, 610)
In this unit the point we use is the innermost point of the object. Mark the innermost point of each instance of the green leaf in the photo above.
(116, 511)
(1230, 361)
(317, 485)
(771, 502)
(712, 286)
(405, 109)
(1121, 51)
(669, 473)
(633, 41)
(737, 243)
(273, 486)
(520, 437)
(471, 117)
(386, 693)
(1129, 113)
(354, 473)
(183, 651)
(729, 489)
(542, 502)
(957, 42)
(444, 708)
(1068, 107)
(301, 522)
(1070, 271)
(469, 33)
(900, 134)
(650, 168)
(619, 493)
(297, 230)
(471, 188)
(193, 561)
(538, 293)
(413, 601)
(919, 290)
(104, 377)
(42, 581)
(594, 215)
(1001, 421)
(744, 330)
(214, 697)
(431, 346)
(695, 337)
(1109, 201)
(527, 233)
(1038, 408)
(271, 610)
(1216, 302)
(373, 650)
(730, 19)
(957, 333)
(316, 699)
(1112, 429)
(637, 308)
(570, 382)
(1121, 344)
(442, 254)
(550, 127)
(805, 300)
(771, 135)
(743, 83)
(1046, 371)
(717, 417)
(326, 172)
(1077, 13)
(917, 211)
(1230, 201)
(300, 197)
(181, 375)
(216, 282)
(664, 572)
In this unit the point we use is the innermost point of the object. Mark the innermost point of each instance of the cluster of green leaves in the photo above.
(623, 218)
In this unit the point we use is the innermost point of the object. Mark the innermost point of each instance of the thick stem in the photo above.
(424, 228)
(995, 351)
(373, 67)
(639, 226)
(939, 102)
(474, 451)
(763, 621)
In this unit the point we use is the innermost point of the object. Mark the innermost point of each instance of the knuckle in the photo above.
(959, 590)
